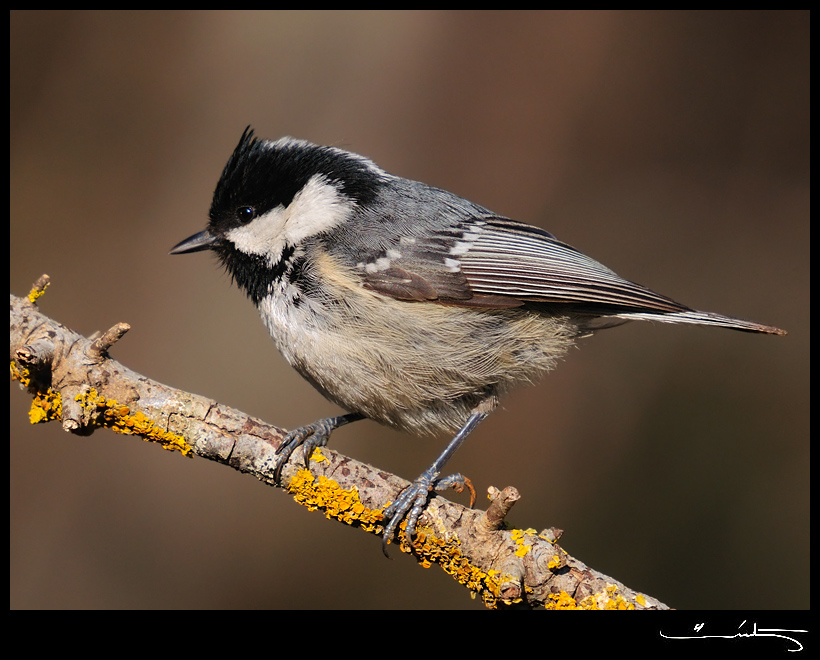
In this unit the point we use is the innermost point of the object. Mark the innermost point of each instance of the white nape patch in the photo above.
(317, 207)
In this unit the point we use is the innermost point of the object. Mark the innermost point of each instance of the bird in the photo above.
(403, 303)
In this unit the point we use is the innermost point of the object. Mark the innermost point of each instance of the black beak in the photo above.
(204, 240)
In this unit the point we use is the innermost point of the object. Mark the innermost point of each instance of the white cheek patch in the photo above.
(263, 236)
(319, 206)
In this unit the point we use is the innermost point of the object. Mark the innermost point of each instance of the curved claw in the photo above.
(458, 482)
(311, 436)
(410, 503)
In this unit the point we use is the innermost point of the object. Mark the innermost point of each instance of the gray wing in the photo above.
(494, 262)
(506, 261)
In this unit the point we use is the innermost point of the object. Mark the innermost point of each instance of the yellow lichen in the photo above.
(318, 456)
(46, 407)
(22, 376)
(561, 601)
(336, 502)
(344, 505)
(36, 293)
(109, 413)
(609, 599)
(447, 554)
(519, 536)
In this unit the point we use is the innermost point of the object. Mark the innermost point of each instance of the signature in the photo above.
(755, 632)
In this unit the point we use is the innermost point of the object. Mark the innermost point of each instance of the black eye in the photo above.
(244, 214)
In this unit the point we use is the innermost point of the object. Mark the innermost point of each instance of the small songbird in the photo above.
(403, 303)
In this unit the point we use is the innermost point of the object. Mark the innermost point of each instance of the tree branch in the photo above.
(74, 381)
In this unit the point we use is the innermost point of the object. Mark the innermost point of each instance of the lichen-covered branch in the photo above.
(74, 381)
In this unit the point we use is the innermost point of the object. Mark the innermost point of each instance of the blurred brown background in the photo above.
(673, 147)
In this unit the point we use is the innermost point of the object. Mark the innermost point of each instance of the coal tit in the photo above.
(403, 303)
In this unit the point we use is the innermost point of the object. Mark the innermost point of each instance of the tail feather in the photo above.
(704, 318)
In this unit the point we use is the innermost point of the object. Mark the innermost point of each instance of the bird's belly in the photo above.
(416, 366)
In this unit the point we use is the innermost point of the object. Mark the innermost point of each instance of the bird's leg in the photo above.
(412, 500)
(310, 436)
